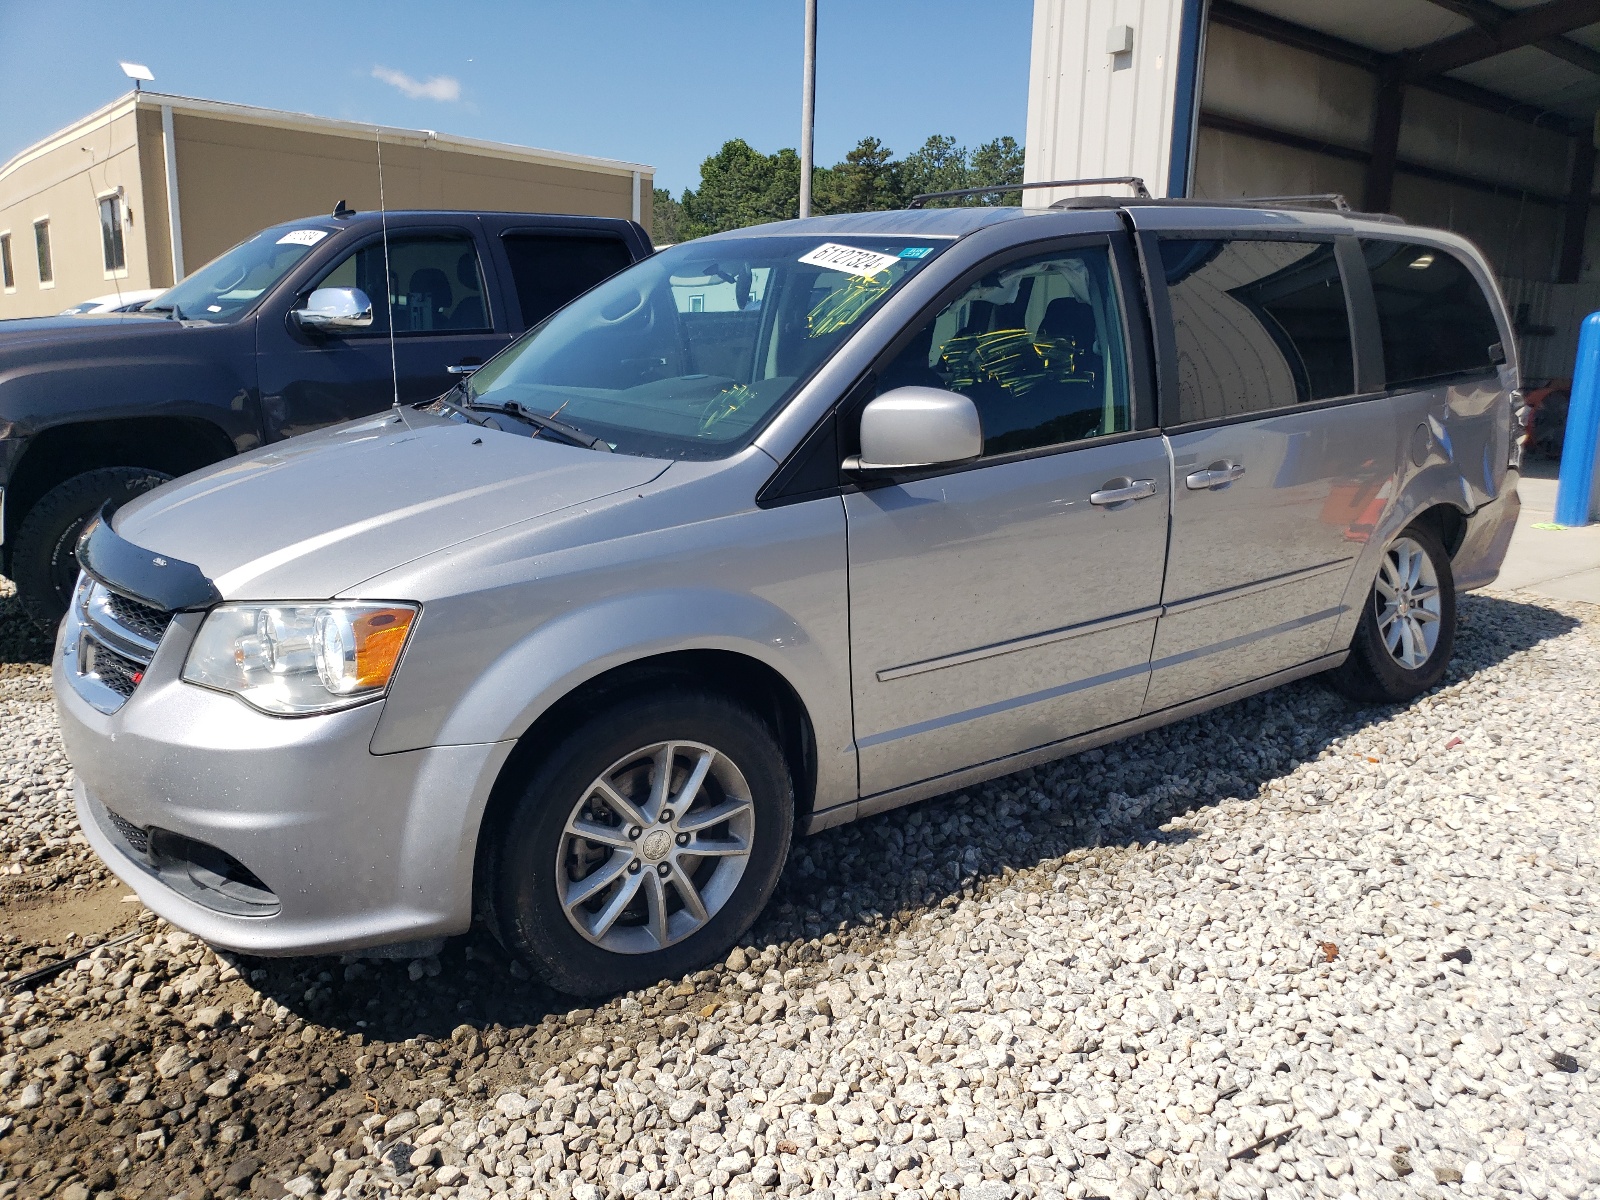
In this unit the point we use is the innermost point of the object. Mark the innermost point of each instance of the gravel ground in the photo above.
(1290, 948)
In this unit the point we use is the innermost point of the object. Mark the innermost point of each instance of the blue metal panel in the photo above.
(1575, 491)
(1186, 100)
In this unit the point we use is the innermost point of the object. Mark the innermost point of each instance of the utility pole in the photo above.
(808, 107)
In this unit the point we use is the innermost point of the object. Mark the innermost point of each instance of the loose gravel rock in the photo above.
(1287, 948)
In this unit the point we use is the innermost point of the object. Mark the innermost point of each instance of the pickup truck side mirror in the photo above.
(914, 428)
(329, 310)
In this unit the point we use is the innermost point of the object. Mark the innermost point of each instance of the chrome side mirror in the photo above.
(912, 428)
(329, 310)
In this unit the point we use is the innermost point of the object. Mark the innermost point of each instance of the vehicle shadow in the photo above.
(858, 884)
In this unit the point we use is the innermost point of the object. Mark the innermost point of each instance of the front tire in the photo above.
(1403, 644)
(645, 844)
(44, 564)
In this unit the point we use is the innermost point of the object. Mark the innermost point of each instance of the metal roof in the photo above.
(1541, 53)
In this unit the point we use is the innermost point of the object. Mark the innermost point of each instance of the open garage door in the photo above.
(1477, 116)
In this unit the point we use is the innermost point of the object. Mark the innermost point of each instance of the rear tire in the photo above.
(596, 884)
(1403, 644)
(44, 564)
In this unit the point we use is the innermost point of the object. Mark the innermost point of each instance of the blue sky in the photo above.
(660, 83)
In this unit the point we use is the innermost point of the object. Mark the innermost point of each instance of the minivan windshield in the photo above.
(231, 283)
(685, 354)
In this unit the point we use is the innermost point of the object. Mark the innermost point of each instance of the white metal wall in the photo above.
(1092, 113)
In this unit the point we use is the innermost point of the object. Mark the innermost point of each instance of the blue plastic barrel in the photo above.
(1575, 488)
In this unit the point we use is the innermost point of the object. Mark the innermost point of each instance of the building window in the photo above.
(111, 233)
(5, 263)
(41, 242)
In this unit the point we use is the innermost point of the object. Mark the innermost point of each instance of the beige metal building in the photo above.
(1475, 115)
(133, 194)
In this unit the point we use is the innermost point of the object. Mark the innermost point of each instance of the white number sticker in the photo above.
(850, 260)
(303, 237)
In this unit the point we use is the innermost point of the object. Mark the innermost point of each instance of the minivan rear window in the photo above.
(1260, 325)
(1434, 318)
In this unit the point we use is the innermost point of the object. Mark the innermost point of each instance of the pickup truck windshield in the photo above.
(685, 354)
(228, 285)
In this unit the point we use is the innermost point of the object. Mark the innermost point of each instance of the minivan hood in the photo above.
(314, 516)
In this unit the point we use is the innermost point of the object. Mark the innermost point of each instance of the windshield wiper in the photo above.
(174, 313)
(561, 429)
(468, 411)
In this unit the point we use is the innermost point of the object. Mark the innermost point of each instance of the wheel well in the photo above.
(746, 680)
(1448, 522)
(173, 445)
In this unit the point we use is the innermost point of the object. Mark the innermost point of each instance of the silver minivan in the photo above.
(774, 530)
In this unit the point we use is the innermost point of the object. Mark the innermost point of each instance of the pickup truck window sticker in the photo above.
(302, 237)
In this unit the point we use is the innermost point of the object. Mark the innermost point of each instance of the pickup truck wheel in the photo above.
(645, 844)
(44, 563)
(1403, 644)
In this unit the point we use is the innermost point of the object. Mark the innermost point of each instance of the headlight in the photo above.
(292, 659)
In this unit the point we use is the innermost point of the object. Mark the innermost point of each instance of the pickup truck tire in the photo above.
(596, 884)
(44, 563)
(1403, 644)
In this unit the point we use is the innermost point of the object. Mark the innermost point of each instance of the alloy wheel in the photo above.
(655, 846)
(1407, 603)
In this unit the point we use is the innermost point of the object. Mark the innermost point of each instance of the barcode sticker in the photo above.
(303, 237)
(849, 259)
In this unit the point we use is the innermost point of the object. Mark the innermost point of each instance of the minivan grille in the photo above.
(118, 638)
(136, 836)
(117, 671)
(147, 622)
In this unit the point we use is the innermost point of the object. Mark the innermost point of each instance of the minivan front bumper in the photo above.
(270, 835)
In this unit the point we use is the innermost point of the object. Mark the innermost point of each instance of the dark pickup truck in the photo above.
(284, 333)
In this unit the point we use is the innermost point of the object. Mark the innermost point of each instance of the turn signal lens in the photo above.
(359, 649)
(297, 659)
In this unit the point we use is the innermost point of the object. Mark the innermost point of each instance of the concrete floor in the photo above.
(1560, 563)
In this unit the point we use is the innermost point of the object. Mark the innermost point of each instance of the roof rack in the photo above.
(1133, 181)
(1331, 200)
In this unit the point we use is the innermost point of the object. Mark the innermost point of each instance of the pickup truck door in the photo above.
(446, 310)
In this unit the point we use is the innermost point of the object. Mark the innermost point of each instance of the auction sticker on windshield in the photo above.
(303, 237)
(849, 259)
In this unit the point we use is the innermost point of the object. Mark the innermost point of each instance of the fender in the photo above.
(1437, 483)
(145, 367)
(532, 675)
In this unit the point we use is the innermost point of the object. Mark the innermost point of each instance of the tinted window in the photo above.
(1434, 317)
(111, 233)
(41, 243)
(1037, 345)
(1259, 325)
(6, 276)
(435, 284)
(548, 271)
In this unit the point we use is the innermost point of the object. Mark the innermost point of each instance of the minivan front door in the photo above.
(1010, 604)
(1282, 465)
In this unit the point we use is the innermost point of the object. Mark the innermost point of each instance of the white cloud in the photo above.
(439, 87)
